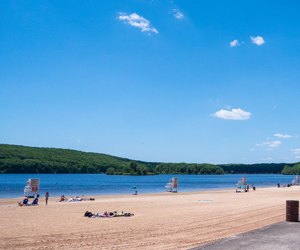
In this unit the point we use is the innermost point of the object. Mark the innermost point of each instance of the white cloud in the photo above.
(258, 40)
(234, 43)
(267, 159)
(269, 144)
(296, 152)
(233, 114)
(138, 21)
(177, 14)
(283, 136)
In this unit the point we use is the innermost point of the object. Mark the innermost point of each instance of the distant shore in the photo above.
(25, 159)
(161, 221)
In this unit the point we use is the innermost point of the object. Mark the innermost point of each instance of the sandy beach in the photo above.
(161, 221)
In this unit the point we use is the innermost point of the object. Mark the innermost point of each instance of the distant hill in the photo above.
(259, 168)
(24, 159)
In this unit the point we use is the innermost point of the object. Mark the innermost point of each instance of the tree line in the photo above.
(291, 170)
(24, 159)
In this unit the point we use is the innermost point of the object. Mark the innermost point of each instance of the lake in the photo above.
(12, 185)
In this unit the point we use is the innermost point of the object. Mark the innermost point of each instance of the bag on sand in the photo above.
(88, 214)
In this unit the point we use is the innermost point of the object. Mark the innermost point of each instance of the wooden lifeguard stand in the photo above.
(172, 185)
(32, 187)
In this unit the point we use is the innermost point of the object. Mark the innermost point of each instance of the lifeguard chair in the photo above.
(32, 188)
(241, 185)
(296, 181)
(172, 185)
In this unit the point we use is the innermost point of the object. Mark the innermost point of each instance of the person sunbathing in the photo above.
(120, 214)
(107, 214)
(78, 198)
(62, 198)
(104, 215)
(70, 199)
(128, 214)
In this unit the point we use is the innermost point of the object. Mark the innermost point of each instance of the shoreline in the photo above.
(143, 193)
(160, 221)
(98, 185)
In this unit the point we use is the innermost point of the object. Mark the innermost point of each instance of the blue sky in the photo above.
(174, 81)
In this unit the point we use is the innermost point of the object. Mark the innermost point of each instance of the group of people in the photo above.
(245, 188)
(35, 201)
(107, 214)
(63, 198)
(287, 185)
(27, 202)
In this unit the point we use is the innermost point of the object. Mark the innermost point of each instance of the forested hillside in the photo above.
(23, 159)
(292, 170)
(260, 168)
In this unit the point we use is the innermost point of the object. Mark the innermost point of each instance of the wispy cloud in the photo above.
(177, 14)
(234, 43)
(233, 114)
(296, 152)
(283, 136)
(258, 40)
(138, 21)
(269, 144)
(267, 159)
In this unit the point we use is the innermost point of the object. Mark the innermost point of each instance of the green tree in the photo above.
(110, 171)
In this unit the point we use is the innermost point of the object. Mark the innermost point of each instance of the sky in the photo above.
(154, 80)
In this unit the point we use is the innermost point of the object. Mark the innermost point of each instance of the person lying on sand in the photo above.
(104, 215)
(107, 214)
(77, 198)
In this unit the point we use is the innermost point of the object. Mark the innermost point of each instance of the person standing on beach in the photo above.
(46, 197)
(135, 190)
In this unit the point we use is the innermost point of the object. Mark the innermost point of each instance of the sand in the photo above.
(161, 221)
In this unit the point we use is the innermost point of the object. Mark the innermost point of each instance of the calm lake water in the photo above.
(12, 185)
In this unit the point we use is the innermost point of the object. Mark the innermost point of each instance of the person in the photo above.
(77, 198)
(36, 200)
(24, 203)
(62, 198)
(71, 199)
(135, 190)
(46, 197)
(248, 188)
(278, 185)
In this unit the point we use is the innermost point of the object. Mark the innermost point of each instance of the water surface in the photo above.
(12, 185)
